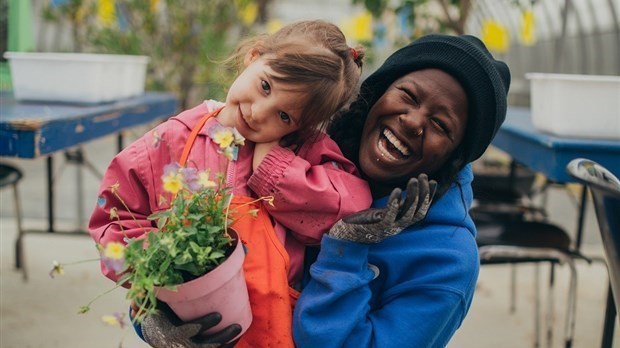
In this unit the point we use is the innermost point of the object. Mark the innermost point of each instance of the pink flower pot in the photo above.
(221, 290)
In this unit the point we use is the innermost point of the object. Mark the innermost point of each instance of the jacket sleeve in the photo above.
(334, 308)
(123, 203)
(311, 190)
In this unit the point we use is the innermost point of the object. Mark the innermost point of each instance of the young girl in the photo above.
(291, 83)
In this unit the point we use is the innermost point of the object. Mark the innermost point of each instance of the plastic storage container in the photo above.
(76, 77)
(581, 106)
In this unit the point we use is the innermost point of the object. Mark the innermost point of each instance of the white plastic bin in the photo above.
(76, 77)
(581, 106)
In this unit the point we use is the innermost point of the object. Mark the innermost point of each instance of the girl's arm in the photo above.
(123, 201)
(312, 190)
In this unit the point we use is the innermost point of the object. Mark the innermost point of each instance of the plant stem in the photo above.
(102, 294)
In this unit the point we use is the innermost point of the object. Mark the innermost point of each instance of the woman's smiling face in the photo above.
(413, 127)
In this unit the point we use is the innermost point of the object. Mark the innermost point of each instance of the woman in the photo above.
(379, 280)
(432, 107)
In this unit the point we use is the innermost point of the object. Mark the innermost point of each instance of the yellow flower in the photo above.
(359, 27)
(153, 4)
(274, 25)
(247, 11)
(114, 251)
(528, 28)
(106, 12)
(203, 179)
(224, 137)
(495, 36)
(118, 319)
(110, 320)
(173, 182)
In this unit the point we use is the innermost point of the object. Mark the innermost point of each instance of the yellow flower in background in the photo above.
(114, 251)
(274, 25)
(106, 12)
(154, 4)
(173, 182)
(358, 27)
(247, 11)
(528, 28)
(495, 36)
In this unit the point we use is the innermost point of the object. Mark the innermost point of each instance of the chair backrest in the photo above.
(605, 189)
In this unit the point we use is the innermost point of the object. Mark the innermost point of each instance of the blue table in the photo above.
(33, 129)
(549, 155)
(29, 130)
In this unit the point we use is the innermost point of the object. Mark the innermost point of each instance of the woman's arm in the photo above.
(338, 308)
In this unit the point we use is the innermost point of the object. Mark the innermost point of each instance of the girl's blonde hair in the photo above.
(310, 56)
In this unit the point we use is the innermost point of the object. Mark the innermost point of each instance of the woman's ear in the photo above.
(252, 55)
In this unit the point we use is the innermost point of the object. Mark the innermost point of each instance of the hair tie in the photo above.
(354, 53)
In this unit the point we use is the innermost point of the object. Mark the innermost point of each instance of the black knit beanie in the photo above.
(484, 79)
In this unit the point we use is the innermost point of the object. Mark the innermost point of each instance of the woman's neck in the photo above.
(379, 190)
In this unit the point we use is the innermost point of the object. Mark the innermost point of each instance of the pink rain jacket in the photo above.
(312, 190)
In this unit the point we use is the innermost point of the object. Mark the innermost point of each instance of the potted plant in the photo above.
(192, 260)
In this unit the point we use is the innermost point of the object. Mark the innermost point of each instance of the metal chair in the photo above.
(605, 189)
(10, 176)
(513, 231)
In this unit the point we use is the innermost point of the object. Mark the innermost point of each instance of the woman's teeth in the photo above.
(393, 147)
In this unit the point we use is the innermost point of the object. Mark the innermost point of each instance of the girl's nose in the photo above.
(258, 113)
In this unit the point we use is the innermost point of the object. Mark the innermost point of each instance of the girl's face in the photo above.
(413, 128)
(261, 109)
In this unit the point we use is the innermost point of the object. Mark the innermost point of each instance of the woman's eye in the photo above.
(441, 126)
(284, 117)
(410, 97)
(265, 86)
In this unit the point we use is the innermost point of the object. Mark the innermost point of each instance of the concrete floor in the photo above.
(42, 311)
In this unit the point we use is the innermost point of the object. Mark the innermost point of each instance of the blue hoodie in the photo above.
(411, 290)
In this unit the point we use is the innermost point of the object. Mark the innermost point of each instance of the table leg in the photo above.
(581, 217)
(610, 321)
(50, 193)
(119, 141)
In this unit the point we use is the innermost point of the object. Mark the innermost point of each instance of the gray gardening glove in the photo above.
(165, 330)
(375, 224)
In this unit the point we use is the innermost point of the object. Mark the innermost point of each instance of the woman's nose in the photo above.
(413, 121)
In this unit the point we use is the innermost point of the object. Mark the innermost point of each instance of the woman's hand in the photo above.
(375, 224)
(164, 329)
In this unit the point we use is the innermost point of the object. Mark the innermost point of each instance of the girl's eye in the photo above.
(284, 117)
(265, 86)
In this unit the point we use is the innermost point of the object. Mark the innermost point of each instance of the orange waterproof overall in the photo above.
(265, 267)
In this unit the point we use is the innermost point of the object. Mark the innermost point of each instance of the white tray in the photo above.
(76, 77)
(580, 106)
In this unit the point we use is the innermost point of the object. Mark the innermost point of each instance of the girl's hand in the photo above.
(260, 152)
